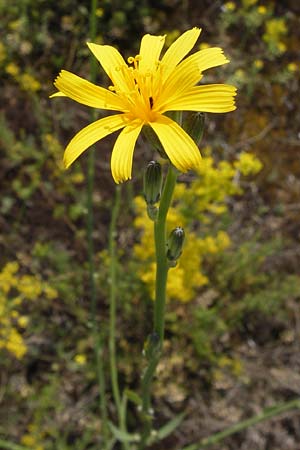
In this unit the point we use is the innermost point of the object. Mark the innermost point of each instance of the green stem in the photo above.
(161, 259)
(267, 413)
(160, 300)
(98, 337)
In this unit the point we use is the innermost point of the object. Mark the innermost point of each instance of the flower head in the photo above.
(143, 89)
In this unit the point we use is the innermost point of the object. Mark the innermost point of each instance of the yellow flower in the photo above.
(203, 46)
(262, 10)
(12, 69)
(258, 64)
(292, 67)
(80, 359)
(28, 440)
(23, 321)
(248, 164)
(99, 12)
(29, 83)
(281, 47)
(143, 91)
(230, 6)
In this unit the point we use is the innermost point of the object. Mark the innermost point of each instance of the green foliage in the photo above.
(244, 293)
(264, 42)
(230, 288)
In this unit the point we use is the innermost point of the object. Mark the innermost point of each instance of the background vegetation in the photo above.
(232, 341)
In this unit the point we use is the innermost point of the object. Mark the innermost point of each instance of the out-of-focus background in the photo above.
(233, 324)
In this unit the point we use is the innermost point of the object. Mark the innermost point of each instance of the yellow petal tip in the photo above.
(57, 94)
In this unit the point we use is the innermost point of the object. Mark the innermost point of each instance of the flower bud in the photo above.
(174, 245)
(153, 140)
(152, 183)
(194, 126)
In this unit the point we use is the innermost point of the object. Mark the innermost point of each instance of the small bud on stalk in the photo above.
(152, 187)
(174, 245)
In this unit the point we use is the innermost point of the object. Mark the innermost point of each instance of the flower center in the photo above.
(138, 88)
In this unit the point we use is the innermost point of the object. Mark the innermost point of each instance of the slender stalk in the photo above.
(98, 336)
(267, 413)
(160, 300)
(161, 259)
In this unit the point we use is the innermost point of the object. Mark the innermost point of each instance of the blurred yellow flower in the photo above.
(23, 321)
(275, 30)
(276, 27)
(258, 64)
(292, 67)
(281, 47)
(262, 10)
(240, 75)
(203, 46)
(99, 12)
(28, 440)
(30, 287)
(12, 69)
(16, 25)
(143, 91)
(29, 83)
(80, 359)
(32, 439)
(50, 292)
(248, 164)
(14, 290)
(230, 6)
(15, 344)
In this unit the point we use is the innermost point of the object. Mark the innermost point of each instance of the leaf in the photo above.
(123, 436)
(133, 397)
(167, 429)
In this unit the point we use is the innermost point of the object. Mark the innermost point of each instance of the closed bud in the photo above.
(174, 245)
(152, 183)
(153, 140)
(194, 126)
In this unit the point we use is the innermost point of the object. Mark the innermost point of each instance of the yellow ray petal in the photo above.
(122, 154)
(189, 72)
(113, 64)
(150, 49)
(216, 98)
(91, 134)
(57, 94)
(179, 146)
(178, 50)
(206, 59)
(87, 93)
